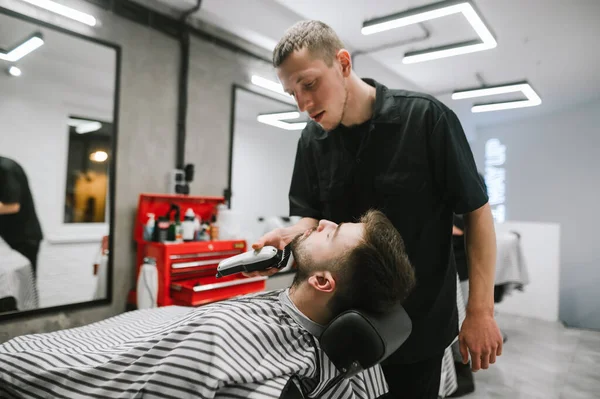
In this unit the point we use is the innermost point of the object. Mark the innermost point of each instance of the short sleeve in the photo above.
(454, 169)
(10, 189)
(304, 194)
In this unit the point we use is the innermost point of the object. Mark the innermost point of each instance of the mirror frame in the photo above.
(112, 175)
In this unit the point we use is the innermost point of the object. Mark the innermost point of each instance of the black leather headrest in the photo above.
(357, 340)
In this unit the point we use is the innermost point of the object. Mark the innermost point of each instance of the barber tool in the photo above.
(256, 260)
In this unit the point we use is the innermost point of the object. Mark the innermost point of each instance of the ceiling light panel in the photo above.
(430, 12)
(29, 45)
(533, 99)
(14, 71)
(269, 85)
(64, 11)
(279, 120)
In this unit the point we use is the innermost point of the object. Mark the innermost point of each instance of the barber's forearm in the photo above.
(481, 253)
(6, 209)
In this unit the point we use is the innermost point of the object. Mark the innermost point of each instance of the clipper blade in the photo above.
(287, 258)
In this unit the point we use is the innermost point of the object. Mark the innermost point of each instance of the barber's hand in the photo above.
(275, 238)
(481, 337)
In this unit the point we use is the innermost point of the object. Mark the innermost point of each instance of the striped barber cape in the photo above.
(247, 347)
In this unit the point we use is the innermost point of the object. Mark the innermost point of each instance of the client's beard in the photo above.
(302, 259)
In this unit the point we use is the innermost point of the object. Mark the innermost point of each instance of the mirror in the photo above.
(56, 166)
(265, 133)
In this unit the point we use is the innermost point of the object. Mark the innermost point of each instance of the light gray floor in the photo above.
(542, 360)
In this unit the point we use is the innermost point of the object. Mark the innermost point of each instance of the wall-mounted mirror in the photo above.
(57, 140)
(265, 133)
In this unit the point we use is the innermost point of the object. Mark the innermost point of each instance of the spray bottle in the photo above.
(188, 225)
(149, 227)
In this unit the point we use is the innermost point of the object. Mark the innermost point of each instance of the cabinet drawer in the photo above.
(203, 290)
(191, 263)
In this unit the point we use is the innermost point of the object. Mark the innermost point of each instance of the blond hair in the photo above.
(317, 37)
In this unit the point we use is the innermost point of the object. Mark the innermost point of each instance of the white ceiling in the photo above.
(547, 42)
(550, 43)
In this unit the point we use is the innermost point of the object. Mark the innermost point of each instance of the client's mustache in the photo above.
(300, 237)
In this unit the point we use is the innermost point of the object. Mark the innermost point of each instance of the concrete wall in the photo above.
(213, 70)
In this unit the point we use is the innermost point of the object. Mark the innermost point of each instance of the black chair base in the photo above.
(8, 304)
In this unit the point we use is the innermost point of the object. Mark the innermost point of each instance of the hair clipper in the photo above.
(263, 259)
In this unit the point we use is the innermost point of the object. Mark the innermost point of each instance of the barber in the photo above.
(19, 224)
(406, 154)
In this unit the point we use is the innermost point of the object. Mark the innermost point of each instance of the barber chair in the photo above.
(355, 341)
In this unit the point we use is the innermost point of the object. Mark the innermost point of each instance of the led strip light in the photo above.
(532, 97)
(428, 13)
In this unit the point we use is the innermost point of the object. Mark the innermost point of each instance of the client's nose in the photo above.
(323, 224)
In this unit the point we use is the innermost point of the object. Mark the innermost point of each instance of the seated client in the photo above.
(249, 346)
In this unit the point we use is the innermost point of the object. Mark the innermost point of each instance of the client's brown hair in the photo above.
(376, 274)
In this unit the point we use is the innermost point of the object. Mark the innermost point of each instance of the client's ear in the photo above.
(322, 281)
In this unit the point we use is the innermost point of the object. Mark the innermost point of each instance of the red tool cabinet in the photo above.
(187, 270)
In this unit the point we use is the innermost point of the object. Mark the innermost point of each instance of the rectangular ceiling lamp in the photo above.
(21, 50)
(532, 97)
(64, 11)
(433, 11)
(269, 85)
(83, 126)
(278, 120)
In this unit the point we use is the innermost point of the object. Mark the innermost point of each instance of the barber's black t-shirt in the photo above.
(22, 226)
(352, 137)
(413, 162)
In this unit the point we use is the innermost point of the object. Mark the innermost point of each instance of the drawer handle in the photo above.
(214, 286)
(194, 264)
(204, 254)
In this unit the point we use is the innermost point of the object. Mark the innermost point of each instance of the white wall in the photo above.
(34, 110)
(552, 175)
(263, 161)
(540, 245)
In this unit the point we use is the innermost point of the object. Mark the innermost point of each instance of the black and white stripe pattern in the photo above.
(16, 278)
(247, 347)
(449, 379)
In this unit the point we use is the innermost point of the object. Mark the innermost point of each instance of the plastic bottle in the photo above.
(147, 285)
(149, 227)
(188, 225)
(197, 229)
(204, 235)
(161, 231)
(175, 229)
(178, 227)
(214, 229)
(229, 223)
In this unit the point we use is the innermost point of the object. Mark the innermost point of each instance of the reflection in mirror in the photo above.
(87, 170)
(56, 152)
(265, 137)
